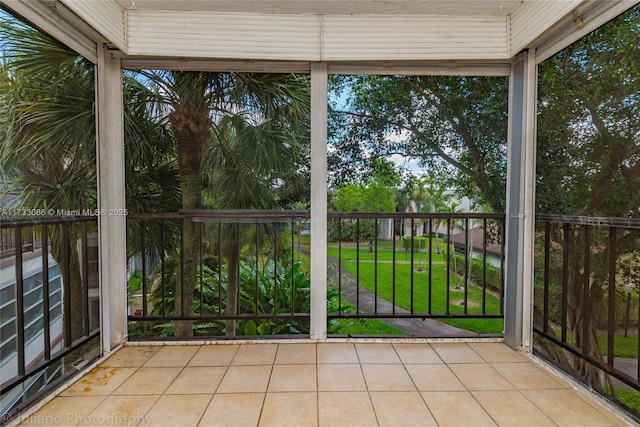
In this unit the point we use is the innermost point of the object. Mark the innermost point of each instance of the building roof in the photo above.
(476, 236)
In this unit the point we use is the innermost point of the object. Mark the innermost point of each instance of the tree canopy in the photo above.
(455, 126)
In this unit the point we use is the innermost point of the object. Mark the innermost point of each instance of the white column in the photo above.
(520, 202)
(318, 201)
(529, 200)
(111, 200)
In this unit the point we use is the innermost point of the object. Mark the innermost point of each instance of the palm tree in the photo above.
(453, 207)
(250, 164)
(203, 110)
(48, 140)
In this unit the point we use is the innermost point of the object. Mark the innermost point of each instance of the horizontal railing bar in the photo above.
(405, 215)
(222, 338)
(27, 222)
(630, 381)
(398, 315)
(17, 380)
(228, 215)
(199, 318)
(590, 220)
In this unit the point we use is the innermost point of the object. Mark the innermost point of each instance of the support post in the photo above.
(111, 200)
(319, 80)
(518, 319)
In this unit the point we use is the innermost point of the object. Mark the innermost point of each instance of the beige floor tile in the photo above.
(387, 377)
(512, 409)
(233, 410)
(121, 411)
(417, 353)
(566, 408)
(340, 377)
(245, 379)
(170, 356)
(337, 409)
(99, 381)
(296, 354)
(434, 377)
(148, 381)
(197, 380)
(337, 353)
(177, 410)
(399, 409)
(456, 408)
(64, 411)
(457, 353)
(293, 378)
(130, 357)
(377, 353)
(214, 355)
(497, 352)
(255, 354)
(480, 376)
(527, 376)
(290, 409)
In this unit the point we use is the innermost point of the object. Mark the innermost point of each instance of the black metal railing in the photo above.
(586, 310)
(240, 269)
(49, 317)
(447, 266)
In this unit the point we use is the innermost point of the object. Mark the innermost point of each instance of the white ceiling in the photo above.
(328, 7)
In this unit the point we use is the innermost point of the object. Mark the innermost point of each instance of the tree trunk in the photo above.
(190, 124)
(73, 277)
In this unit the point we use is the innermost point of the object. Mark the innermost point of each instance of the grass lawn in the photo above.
(421, 293)
(622, 346)
(349, 253)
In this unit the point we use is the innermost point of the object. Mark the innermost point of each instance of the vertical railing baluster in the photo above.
(547, 260)
(484, 266)
(275, 273)
(358, 265)
(201, 250)
(46, 305)
(586, 324)
(565, 280)
(447, 291)
(467, 266)
(502, 257)
(67, 284)
(293, 260)
(19, 302)
(430, 279)
(143, 254)
(182, 302)
(375, 268)
(413, 233)
(219, 268)
(85, 278)
(339, 265)
(611, 315)
(257, 288)
(393, 271)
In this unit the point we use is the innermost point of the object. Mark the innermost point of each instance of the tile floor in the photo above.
(328, 384)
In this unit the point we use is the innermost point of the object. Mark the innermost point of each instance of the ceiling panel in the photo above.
(329, 7)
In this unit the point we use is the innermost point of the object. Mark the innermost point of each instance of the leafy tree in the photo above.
(588, 160)
(456, 126)
(373, 197)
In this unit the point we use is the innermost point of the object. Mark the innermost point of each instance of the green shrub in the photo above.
(420, 243)
(493, 274)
